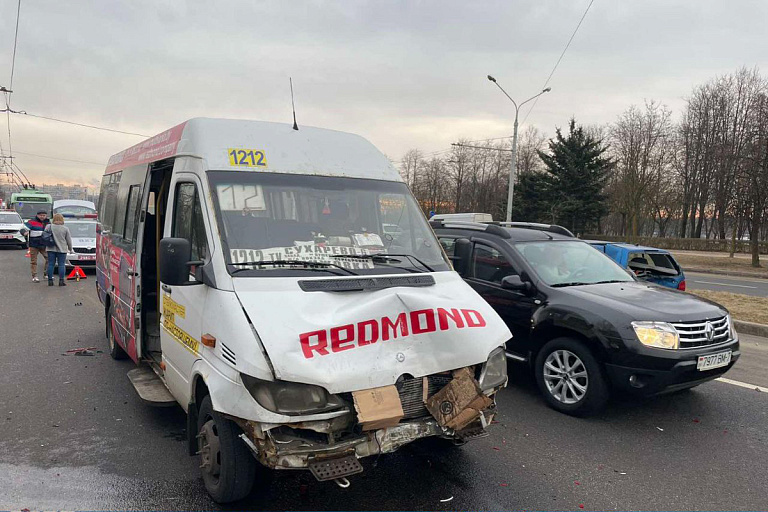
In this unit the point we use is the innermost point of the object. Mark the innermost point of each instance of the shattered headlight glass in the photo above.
(291, 398)
(494, 371)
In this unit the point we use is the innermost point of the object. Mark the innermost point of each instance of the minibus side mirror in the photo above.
(175, 253)
(462, 253)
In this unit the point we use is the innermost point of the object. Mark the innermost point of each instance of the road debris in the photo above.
(446, 500)
(660, 429)
(82, 351)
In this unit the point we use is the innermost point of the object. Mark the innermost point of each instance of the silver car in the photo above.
(83, 243)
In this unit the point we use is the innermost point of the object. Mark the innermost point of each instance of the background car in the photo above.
(83, 232)
(648, 263)
(10, 226)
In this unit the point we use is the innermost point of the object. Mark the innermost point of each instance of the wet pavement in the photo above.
(76, 436)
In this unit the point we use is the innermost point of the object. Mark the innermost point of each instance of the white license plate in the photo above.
(714, 361)
(90, 257)
(5, 237)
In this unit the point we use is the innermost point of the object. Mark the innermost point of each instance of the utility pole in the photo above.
(513, 166)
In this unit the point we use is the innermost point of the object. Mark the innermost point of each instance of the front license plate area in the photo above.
(714, 361)
(331, 469)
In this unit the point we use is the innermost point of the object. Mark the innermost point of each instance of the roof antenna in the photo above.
(293, 105)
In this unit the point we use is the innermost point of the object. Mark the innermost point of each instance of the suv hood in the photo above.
(347, 341)
(642, 301)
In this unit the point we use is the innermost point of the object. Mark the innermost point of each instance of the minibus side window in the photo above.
(188, 219)
(134, 198)
(110, 203)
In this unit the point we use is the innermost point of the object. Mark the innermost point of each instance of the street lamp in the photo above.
(514, 143)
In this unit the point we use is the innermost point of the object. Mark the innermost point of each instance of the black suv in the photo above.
(584, 323)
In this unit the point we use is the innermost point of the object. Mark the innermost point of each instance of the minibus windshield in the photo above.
(330, 221)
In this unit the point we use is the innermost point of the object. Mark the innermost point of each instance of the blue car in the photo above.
(647, 263)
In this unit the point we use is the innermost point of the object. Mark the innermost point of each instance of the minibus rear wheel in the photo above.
(226, 463)
(115, 350)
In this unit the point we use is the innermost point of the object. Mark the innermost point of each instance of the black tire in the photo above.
(591, 386)
(115, 350)
(230, 471)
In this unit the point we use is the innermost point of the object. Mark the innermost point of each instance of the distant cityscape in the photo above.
(57, 191)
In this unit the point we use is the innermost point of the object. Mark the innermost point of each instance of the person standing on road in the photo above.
(35, 228)
(58, 253)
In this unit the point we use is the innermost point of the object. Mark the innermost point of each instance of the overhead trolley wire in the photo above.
(560, 59)
(81, 124)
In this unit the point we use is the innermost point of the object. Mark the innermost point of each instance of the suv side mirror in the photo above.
(516, 284)
(462, 253)
(175, 254)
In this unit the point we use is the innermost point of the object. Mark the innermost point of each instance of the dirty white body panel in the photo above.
(281, 312)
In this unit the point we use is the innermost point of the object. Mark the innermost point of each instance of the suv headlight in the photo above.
(291, 398)
(494, 371)
(657, 334)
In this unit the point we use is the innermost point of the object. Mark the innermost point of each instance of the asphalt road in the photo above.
(75, 436)
(744, 285)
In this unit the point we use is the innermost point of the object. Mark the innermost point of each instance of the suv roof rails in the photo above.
(493, 229)
(551, 228)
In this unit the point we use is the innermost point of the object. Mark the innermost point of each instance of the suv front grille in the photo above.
(83, 250)
(9, 230)
(697, 334)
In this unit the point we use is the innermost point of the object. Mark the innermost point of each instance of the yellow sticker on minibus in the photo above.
(241, 157)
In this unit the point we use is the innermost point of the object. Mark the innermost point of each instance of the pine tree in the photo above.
(576, 172)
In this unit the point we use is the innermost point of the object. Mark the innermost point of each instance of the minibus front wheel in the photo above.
(228, 468)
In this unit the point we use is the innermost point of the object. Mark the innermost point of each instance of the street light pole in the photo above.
(513, 166)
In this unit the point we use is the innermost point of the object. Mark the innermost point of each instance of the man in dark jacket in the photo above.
(35, 228)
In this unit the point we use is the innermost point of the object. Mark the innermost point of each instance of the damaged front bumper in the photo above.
(338, 443)
(301, 445)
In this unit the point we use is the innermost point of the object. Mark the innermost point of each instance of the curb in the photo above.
(752, 328)
(698, 270)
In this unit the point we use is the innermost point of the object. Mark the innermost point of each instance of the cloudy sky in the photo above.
(404, 74)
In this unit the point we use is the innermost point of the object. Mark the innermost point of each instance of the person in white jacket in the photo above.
(58, 253)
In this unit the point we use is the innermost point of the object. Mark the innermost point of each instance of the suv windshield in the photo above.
(570, 263)
(10, 218)
(328, 221)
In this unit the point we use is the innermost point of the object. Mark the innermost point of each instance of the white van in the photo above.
(284, 287)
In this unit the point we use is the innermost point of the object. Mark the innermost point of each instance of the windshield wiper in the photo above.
(387, 256)
(612, 281)
(573, 283)
(303, 265)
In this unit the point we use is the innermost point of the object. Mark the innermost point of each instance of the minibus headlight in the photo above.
(291, 398)
(494, 371)
(656, 334)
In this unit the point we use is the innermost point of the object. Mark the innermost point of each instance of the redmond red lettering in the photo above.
(387, 326)
(443, 316)
(321, 345)
(429, 316)
(477, 321)
(362, 331)
(339, 343)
